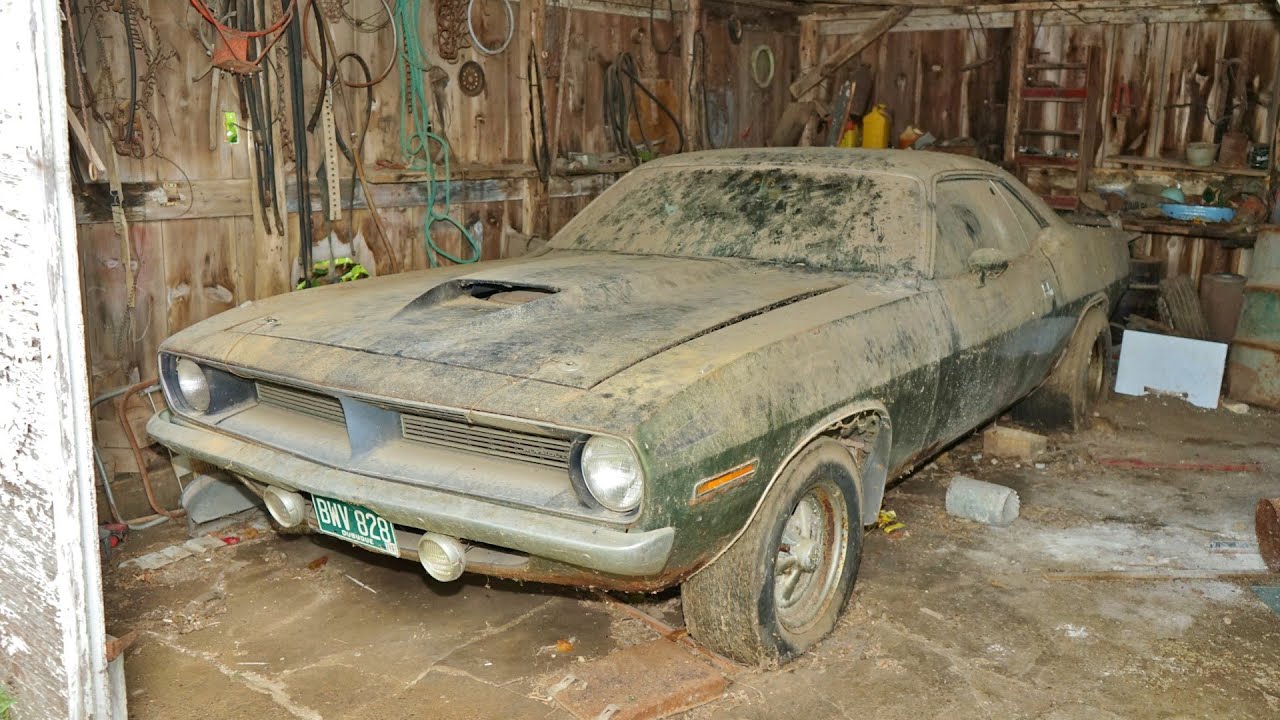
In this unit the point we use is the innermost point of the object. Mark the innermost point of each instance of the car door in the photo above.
(999, 318)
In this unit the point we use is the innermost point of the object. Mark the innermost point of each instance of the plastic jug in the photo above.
(875, 128)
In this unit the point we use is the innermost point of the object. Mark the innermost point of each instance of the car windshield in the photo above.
(843, 220)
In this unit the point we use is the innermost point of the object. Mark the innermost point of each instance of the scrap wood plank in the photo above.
(849, 50)
(790, 127)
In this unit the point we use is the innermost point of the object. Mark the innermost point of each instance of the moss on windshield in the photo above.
(829, 219)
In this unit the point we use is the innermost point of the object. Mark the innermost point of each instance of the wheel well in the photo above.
(1099, 300)
(868, 436)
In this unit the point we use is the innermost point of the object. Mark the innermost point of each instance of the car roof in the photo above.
(906, 163)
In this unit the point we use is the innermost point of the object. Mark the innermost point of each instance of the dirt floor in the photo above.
(1120, 592)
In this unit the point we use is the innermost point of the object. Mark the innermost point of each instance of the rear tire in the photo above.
(1079, 383)
(780, 588)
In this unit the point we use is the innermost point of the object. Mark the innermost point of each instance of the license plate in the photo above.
(356, 524)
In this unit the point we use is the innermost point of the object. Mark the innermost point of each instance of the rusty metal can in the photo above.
(1266, 522)
(1253, 365)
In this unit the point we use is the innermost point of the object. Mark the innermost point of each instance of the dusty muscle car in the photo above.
(706, 379)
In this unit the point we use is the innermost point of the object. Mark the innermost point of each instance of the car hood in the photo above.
(571, 319)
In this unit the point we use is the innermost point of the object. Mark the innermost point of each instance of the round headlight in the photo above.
(193, 385)
(612, 474)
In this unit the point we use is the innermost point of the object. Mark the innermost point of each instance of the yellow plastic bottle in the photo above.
(875, 128)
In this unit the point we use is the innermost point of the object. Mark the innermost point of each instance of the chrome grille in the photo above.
(300, 401)
(460, 435)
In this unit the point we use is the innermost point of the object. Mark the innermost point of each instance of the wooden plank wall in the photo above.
(1180, 75)
(197, 245)
(192, 262)
(952, 83)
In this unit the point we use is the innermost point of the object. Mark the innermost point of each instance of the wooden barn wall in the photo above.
(951, 83)
(202, 251)
(197, 243)
(1179, 76)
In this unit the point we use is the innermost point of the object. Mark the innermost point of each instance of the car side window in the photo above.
(970, 214)
(1031, 223)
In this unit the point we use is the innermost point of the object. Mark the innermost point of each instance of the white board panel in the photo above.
(1162, 364)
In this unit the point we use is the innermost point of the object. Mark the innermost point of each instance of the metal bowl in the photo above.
(1203, 213)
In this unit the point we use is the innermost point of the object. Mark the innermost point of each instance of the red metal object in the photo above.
(1266, 522)
(1204, 467)
(1054, 92)
(231, 53)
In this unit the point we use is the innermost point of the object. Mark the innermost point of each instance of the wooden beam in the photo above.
(851, 20)
(691, 107)
(535, 208)
(409, 195)
(1020, 44)
(810, 47)
(151, 201)
(51, 612)
(849, 50)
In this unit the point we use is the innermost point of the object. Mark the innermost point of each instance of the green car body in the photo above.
(716, 311)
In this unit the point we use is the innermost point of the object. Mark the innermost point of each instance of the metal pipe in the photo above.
(139, 523)
(122, 412)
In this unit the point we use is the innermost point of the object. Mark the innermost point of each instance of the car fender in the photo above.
(1098, 299)
(872, 479)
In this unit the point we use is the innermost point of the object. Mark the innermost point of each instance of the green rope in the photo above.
(417, 136)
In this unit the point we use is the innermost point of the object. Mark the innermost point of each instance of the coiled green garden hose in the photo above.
(417, 135)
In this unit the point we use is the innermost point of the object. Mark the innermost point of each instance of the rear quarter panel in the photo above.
(1087, 261)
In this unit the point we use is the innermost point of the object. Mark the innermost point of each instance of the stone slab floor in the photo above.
(1119, 593)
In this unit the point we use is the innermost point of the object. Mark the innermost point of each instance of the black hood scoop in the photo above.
(475, 293)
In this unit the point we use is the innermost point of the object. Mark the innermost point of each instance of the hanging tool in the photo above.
(329, 143)
(471, 78)
(301, 174)
(538, 117)
(620, 84)
(563, 70)
(475, 39)
(231, 50)
(419, 139)
(216, 130)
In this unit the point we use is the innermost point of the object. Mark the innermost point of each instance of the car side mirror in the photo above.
(988, 261)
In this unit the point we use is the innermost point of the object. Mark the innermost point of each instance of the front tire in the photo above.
(780, 588)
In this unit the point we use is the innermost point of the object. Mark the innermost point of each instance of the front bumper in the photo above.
(601, 549)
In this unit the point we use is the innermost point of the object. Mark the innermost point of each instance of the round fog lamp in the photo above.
(611, 472)
(193, 384)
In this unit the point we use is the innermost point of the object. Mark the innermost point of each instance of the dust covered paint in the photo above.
(828, 219)
(711, 309)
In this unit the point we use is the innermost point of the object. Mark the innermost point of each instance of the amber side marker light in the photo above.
(723, 481)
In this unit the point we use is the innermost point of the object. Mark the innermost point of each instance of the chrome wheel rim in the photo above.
(810, 557)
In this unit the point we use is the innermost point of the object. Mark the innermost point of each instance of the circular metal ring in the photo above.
(766, 52)
(471, 78)
(511, 29)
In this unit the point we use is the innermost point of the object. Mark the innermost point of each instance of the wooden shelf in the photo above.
(1234, 235)
(1183, 166)
(1058, 66)
(1056, 93)
(1045, 132)
(1070, 100)
(1047, 161)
